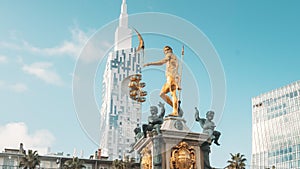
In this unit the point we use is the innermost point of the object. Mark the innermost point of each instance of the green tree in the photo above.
(237, 161)
(128, 163)
(30, 160)
(74, 163)
(118, 164)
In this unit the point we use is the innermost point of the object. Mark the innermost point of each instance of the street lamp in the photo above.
(58, 162)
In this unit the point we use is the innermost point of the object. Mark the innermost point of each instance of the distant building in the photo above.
(276, 128)
(119, 114)
(9, 159)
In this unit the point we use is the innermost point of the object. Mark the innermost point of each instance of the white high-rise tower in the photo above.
(119, 114)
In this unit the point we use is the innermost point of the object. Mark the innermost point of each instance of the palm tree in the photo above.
(30, 160)
(75, 163)
(237, 161)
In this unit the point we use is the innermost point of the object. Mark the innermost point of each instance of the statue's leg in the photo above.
(217, 136)
(157, 128)
(144, 127)
(175, 102)
(165, 89)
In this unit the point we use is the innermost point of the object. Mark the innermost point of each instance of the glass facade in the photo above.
(276, 128)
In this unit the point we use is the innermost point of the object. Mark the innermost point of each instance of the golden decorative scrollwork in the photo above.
(146, 162)
(183, 157)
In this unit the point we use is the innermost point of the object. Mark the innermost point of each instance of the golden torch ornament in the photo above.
(135, 85)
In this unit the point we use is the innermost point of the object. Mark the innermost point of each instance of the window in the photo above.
(8, 163)
(284, 105)
(291, 95)
(295, 93)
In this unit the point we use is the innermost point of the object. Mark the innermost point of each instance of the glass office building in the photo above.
(276, 128)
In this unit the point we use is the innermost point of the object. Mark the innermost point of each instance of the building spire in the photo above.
(123, 21)
(124, 7)
(122, 39)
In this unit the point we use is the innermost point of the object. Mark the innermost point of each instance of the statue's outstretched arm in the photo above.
(161, 62)
(158, 63)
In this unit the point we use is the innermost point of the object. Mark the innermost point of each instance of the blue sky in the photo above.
(257, 43)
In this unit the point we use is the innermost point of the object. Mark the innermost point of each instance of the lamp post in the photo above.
(58, 162)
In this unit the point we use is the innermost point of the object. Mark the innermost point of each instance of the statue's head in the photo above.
(137, 130)
(210, 115)
(168, 49)
(153, 110)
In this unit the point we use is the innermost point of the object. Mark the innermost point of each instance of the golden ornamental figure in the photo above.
(146, 159)
(172, 76)
(183, 157)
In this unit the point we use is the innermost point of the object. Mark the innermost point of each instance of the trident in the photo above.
(180, 76)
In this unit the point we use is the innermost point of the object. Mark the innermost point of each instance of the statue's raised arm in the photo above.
(162, 110)
(197, 118)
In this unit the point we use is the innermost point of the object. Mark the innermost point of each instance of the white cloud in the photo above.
(12, 134)
(42, 71)
(2, 84)
(9, 45)
(71, 47)
(18, 87)
(3, 59)
(68, 47)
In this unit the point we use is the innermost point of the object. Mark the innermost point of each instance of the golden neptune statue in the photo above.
(172, 76)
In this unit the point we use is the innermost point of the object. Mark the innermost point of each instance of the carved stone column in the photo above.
(205, 147)
(157, 156)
